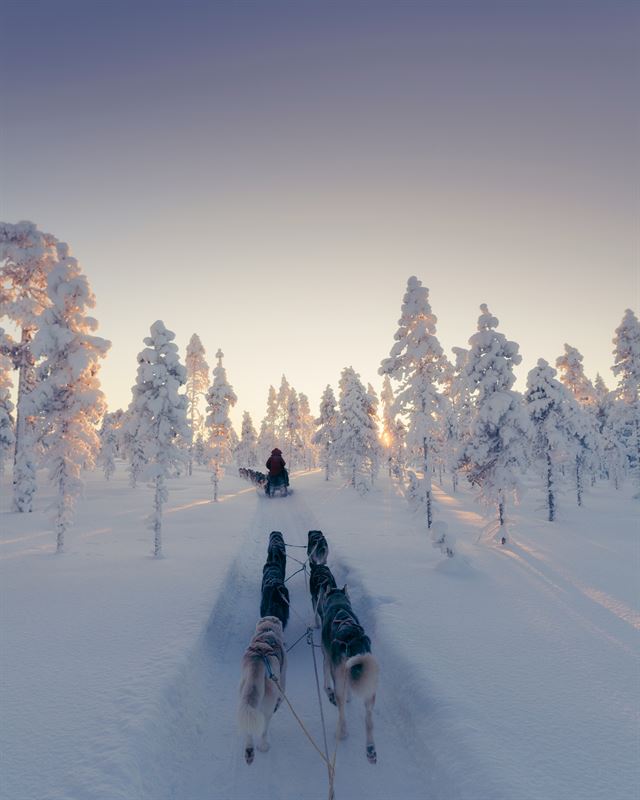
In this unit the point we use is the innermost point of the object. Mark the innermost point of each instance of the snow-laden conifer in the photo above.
(387, 399)
(247, 451)
(627, 369)
(159, 417)
(550, 407)
(292, 431)
(495, 451)
(67, 390)
(108, 445)
(307, 429)
(200, 451)
(357, 443)
(416, 361)
(372, 411)
(26, 258)
(572, 375)
(327, 431)
(282, 401)
(220, 398)
(7, 432)
(267, 438)
(197, 385)
(586, 444)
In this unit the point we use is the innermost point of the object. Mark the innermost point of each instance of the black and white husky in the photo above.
(320, 581)
(317, 548)
(348, 662)
(259, 695)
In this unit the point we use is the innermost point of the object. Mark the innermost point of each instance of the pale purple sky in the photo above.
(268, 175)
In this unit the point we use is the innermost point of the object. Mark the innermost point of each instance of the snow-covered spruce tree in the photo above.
(627, 369)
(267, 438)
(587, 446)
(307, 429)
(108, 446)
(457, 414)
(197, 385)
(572, 376)
(67, 390)
(247, 451)
(495, 450)
(550, 408)
(357, 443)
(613, 455)
(292, 431)
(220, 398)
(372, 410)
(327, 431)
(387, 398)
(200, 451)
(159, 417)
(26, 257)
(7, 433)
(416, 361)
(282, 403)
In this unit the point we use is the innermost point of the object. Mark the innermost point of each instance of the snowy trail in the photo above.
(202, 751)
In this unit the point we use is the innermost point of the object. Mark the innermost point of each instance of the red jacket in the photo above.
(275, 463)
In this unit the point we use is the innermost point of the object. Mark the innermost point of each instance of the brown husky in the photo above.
(259, 695)
(348, 662)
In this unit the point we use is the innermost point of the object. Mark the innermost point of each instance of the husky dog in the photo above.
(317, 548)
(275, 595)
(259, 695)
(320, 580)
(348, 662)
(277, 553)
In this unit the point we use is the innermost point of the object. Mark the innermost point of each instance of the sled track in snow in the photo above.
(200, 755)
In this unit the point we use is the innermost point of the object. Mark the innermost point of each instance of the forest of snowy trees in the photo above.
(438, 418)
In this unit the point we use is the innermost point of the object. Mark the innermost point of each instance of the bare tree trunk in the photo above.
(157, 520)
(427, 478)
(550, 497)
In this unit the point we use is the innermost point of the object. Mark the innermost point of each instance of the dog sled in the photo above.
(277, 485)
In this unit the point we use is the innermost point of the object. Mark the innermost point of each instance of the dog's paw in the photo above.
(263, 746)
(372, 756)
(249, 754)
(331, 696)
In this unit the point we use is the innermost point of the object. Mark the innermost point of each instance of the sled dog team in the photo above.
(349, 665)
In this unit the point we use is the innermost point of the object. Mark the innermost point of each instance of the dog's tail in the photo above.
(363, 674)
(250, 718)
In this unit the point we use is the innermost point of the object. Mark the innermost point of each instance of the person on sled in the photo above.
(277, 471)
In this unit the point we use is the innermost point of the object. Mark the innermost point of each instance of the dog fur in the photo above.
(317, 548)
(259, 695)
(320, 580)
(348, 662)
(275, 595)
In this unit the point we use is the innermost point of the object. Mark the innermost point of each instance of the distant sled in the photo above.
(277, 486)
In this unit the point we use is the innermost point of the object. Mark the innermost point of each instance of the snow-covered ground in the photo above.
(506, 673)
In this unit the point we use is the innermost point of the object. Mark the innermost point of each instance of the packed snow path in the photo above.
(506, 673)
(201, 737)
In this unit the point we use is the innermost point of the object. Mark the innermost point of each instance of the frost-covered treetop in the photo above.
(543, 390)
(486, 320)
(491, 357)
(26, 255)
(416, 347)
(65, 328)
(627, 356)
(572, 375)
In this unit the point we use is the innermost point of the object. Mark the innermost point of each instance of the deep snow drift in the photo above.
(505, 672)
